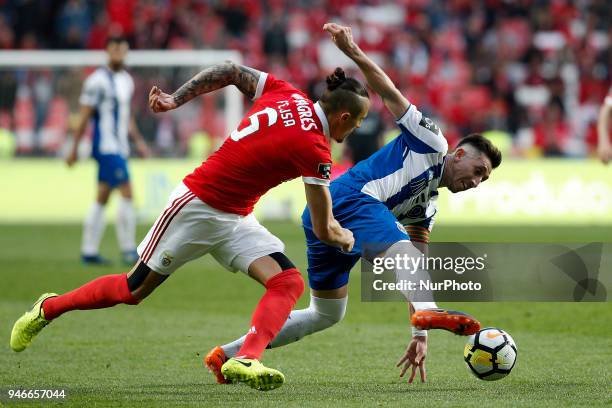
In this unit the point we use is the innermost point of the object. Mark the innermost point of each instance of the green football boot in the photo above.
(252, 373)
(30, 324)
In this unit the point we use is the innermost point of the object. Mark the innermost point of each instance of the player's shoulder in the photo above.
(423, 134)
(126, 78)
(269, 85)
(124, 73)
(97, 78)
(99, 73)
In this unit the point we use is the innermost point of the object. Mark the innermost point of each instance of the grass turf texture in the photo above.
(150, 355)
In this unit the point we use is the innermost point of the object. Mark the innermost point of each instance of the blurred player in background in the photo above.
(284, 135)
(604, 148)
(387, 200)
(105, 101)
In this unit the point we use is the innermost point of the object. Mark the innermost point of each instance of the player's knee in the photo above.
(282, 261)
(330, 320)
(290, 277)
(142, 281)
(328, 311)
(338, 316)
(295, 282)
(137, 276)
(401, 248)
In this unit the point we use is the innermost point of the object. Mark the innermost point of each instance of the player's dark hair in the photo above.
(343, 93)
(115, 39)
(483, 145)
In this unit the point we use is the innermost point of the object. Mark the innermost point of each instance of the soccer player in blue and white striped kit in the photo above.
(105, 101)
(389, 200)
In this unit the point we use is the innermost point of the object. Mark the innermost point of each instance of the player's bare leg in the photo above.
(126, 224)
(93, 228)
(284, 285)
(103, 292)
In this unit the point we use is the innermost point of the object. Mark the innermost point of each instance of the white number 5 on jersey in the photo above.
(236, 135)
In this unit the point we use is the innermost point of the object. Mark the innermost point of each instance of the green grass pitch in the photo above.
(150, 355)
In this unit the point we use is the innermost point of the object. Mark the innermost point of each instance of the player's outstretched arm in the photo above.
(84, 115)
(325, 226)
(208, 80)
(604, 150)
(376, 77)
(414, 358)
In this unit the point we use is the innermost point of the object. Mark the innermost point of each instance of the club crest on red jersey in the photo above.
(324, 170)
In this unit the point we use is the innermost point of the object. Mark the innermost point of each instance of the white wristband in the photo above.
(416, 332)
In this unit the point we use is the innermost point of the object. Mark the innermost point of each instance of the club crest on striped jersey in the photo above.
(166, 258)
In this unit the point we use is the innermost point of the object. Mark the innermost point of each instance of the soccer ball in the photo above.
(490, 354)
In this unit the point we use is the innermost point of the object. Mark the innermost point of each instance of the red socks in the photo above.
(105, 291)
(283, 291)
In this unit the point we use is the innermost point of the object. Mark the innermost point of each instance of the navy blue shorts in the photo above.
(374, 227)
(112, 169)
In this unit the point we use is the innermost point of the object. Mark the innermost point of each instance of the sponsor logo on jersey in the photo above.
(324, 170)
(429, 125)
(417, 185)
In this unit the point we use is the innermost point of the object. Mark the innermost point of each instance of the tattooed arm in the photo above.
(208, 80)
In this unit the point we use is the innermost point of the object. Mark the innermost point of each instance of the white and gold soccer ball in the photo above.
(490, 354)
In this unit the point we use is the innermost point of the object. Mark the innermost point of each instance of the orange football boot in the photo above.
(214, 360)
(453, 321)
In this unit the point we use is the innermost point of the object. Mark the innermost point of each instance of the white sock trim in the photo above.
(424, 305)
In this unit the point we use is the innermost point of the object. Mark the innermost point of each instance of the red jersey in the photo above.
(282, 137)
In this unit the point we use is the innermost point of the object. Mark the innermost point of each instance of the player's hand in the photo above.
(605, 154)
(341, 35)
(348, 242)
(72, 158)
(414, 357)
(143, 149)
(160, 101)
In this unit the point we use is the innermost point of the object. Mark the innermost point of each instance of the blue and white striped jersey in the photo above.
(110, 93)
(405, 174)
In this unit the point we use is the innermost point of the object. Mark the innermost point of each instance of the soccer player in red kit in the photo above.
(283, 136)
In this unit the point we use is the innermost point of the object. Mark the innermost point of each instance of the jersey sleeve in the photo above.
(421, 133)
(91, 92)
(419, 231)
(314, 163)
(268, 83)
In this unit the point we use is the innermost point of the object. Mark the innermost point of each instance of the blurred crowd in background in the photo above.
(531, 74)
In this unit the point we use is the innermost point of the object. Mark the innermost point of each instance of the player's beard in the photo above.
(116, 66)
